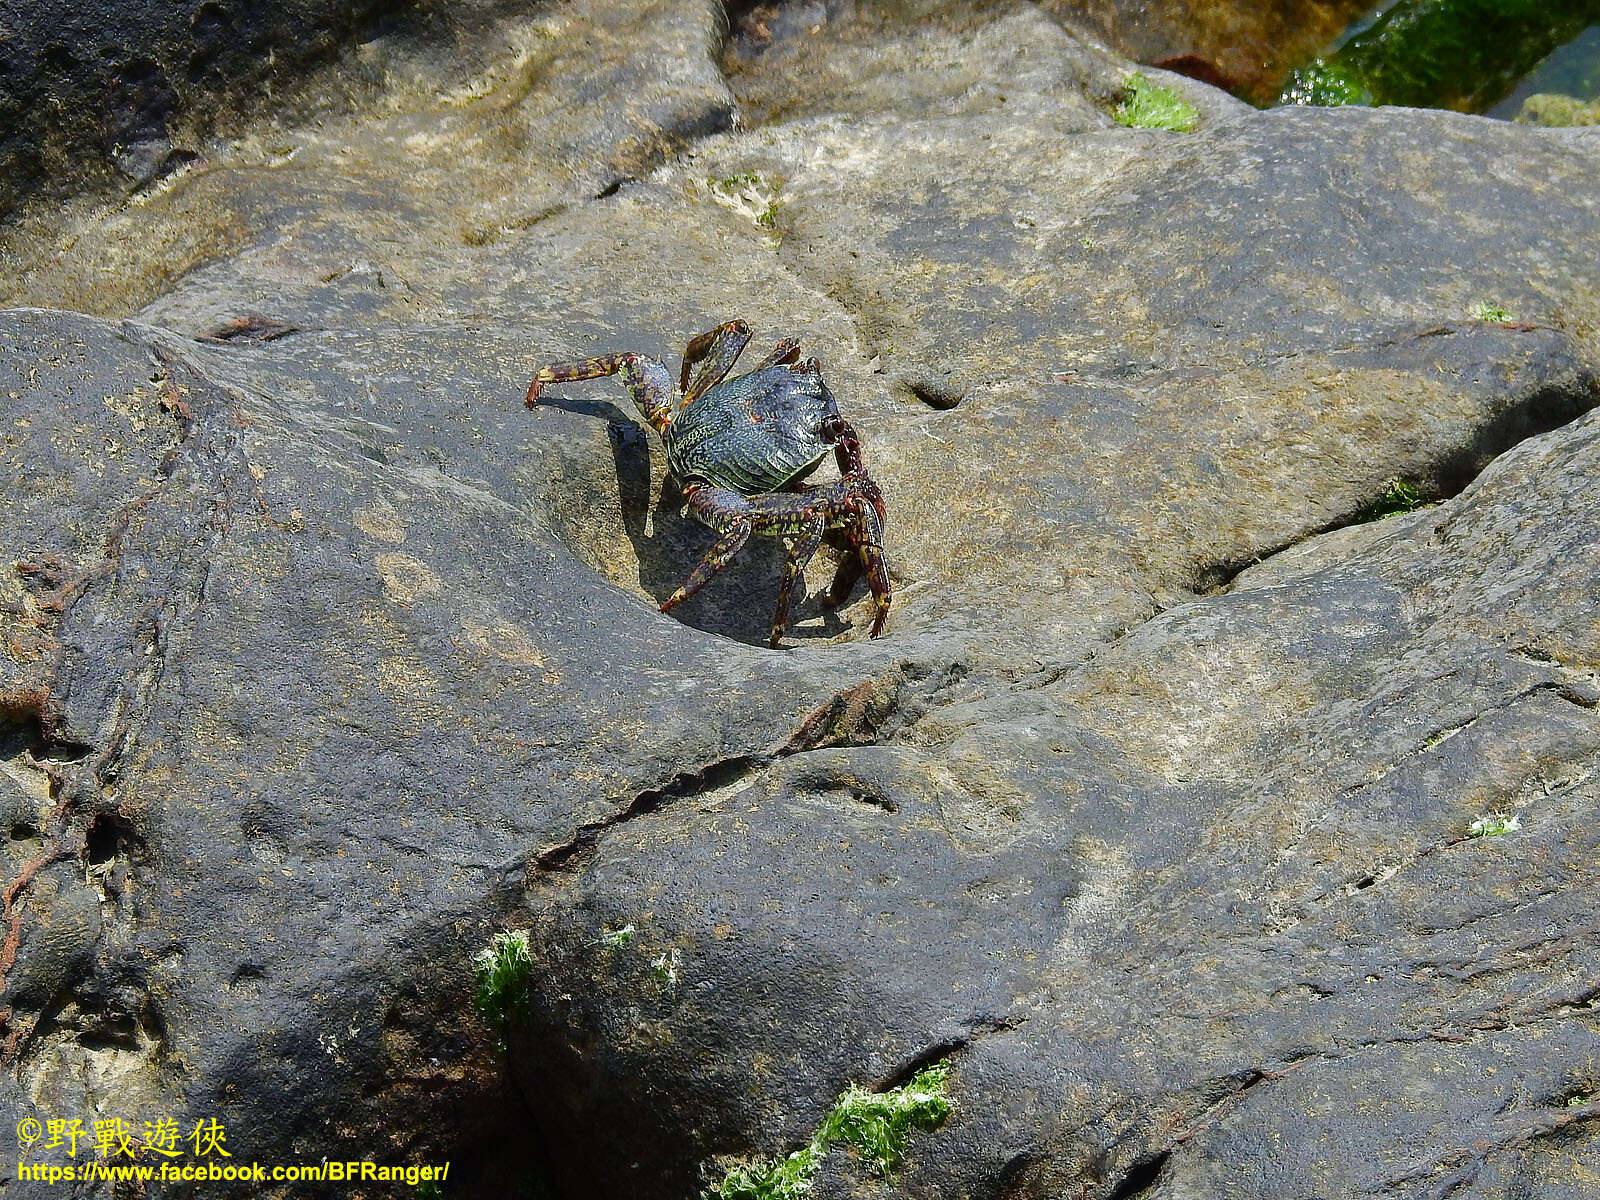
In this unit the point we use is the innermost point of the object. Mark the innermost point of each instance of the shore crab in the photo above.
(740, 448)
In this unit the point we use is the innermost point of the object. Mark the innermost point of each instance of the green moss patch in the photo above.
(1495, 824)
(750, 194)
(1147, 105)
(878, 1125)
(1398, 497)
(1493, 313)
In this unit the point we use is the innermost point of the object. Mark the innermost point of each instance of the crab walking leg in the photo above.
(728, 513)
(800, 552)
(646, 379)
(720, 348)
(863, 529)
(862, 521)
(870, 550)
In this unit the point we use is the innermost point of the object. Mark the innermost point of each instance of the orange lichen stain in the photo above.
(382, 522)
(398, 677)
(407, 579)
(505, 640)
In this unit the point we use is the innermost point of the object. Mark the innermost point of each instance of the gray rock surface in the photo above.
(324, 659)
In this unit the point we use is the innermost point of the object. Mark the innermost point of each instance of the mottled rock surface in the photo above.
(324, 659)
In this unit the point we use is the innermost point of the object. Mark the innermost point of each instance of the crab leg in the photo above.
(720, 347)
(646, 379)
(726, 512)
(800, 552)
(878, 580)
(863, 529)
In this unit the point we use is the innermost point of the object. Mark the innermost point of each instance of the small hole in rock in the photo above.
(110, 835)
(1141, 1177)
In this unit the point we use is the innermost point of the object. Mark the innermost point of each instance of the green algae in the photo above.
(1495, 824)
(878, 1125)
(1147, 105)
(1553, 110)
(1492, 313)
(504, 971)
(1398, 497)
(1459, 54)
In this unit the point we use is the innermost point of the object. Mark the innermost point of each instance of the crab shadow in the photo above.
(667, 543)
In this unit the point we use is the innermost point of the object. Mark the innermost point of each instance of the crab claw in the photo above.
(534, 389)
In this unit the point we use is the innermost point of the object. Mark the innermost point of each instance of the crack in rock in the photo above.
(867, 713)
(1513, 1135)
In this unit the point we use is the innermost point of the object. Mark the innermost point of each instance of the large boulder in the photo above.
(324, 659)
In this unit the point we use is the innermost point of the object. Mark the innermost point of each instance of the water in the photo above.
(1572, 70)
(1468, 55)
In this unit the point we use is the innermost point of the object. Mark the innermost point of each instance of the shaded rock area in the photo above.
(325, 659)
(129, 90)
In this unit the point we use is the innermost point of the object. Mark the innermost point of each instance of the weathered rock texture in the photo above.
(324, 659)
